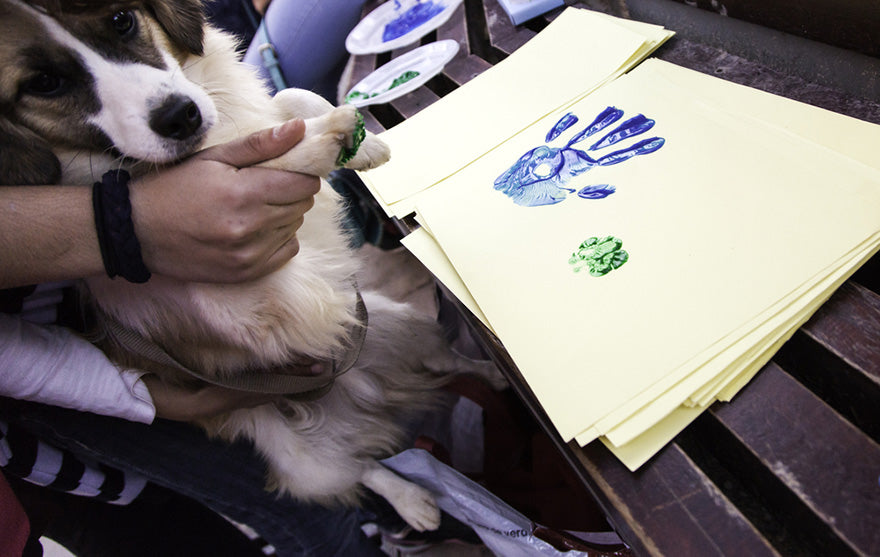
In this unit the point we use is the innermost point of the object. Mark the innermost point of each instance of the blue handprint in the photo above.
(541, 175)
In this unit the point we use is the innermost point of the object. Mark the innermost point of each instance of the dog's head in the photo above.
(90, 76)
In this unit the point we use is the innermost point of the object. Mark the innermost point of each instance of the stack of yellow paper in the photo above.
(643, 247)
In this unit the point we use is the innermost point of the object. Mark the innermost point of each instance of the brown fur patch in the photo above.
(25, 157)
(30, 124)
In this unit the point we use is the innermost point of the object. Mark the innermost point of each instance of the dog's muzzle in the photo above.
(178, 117)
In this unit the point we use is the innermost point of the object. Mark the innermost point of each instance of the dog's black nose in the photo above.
(177, 117)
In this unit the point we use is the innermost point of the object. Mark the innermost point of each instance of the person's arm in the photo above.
(212, 218)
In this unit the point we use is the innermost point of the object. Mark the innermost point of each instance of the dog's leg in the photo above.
(304, 104)
(414, 504)
(307, 466)
(314, 470)
(325, 137)
(301, 103)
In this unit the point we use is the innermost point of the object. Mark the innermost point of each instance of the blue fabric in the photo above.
(309, 40)
(229, 479)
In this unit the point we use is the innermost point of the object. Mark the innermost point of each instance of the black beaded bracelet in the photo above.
(120, 249)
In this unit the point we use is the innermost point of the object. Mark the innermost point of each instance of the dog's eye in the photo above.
(124, 23)
(44, 84)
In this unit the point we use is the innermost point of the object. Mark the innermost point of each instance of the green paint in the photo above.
(357, 137)
(355, 95)
(399, 80)
(599, 256)
(403, 78)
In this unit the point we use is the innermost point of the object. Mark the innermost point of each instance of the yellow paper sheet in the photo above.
(731, 355)
(577, 52)
(749, 354)
(847, 136)
(638, 450)
(719, 238)
(792, 119)
(429, 253)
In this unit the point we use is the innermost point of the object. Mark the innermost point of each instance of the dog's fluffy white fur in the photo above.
(322, 450)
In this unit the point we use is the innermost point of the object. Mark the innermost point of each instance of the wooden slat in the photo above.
(455, 28)
(412, 103)
(815, 470)
(362, 66)
(466, 65)
(849, 325)
(462, 70)
(371, 123)
(869, 275)
(503, 34)
(670, 507)
(837, 355)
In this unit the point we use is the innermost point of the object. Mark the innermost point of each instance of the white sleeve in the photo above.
(52, 365)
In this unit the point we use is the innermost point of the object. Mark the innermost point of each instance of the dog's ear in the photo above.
(25, 157)
(183, 20)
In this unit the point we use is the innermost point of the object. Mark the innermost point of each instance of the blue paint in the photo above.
(602, 121)
(600, 191)
(541, 175)
(641, 148)
(563, 124)
(636, 125)
(419, 14)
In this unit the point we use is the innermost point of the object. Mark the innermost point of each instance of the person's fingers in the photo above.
(282, 188)
(257, 147)
(285, 248)
(287, 218)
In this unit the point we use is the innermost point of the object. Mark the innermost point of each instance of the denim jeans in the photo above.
(228, 478)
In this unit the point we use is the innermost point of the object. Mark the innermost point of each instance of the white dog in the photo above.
(145, 85)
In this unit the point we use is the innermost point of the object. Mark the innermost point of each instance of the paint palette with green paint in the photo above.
(403, 74)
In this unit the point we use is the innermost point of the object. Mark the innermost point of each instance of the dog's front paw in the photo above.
(413, 503)
(328, 137)
(417, 507)
(373, 152)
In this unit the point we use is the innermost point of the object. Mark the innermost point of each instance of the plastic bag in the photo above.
(502, 529)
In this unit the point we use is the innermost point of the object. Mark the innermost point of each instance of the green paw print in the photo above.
(599, 256)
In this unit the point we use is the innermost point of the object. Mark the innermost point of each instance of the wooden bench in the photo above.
(792, 465)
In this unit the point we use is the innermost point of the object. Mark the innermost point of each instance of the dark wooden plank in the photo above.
(371, 123)
(849, 325)
(412, 103)
(462, 70)
(504, 35)
(837, 355)
(455, 28)
(851, 24)
(466, 65)
(869, 274)
(669, 507)
(362, 66)
(813, 469)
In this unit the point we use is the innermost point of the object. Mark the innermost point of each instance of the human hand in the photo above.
(217, 218)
